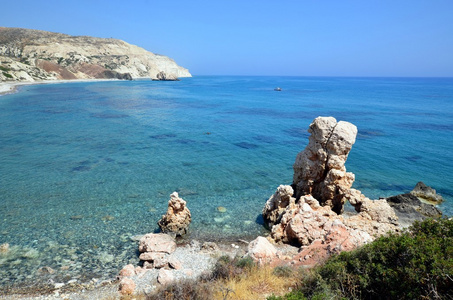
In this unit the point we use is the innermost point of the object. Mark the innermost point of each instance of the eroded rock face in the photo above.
(308, 213)
(320, 169)
(276, 206)
(305, 222)
(177, 218)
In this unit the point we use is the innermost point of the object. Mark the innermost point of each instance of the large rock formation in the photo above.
(308, 213)
(319, 170)
(30, 55)
(304, 221)
(177, 218)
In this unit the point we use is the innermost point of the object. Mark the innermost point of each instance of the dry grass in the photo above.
(255, 283)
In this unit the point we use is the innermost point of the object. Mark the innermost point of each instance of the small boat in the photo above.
(278, 89)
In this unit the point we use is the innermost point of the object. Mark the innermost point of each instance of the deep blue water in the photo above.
(85, 166)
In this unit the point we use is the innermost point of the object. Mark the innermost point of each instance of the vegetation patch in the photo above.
(232, 278)
(416, 264)
(7, 75)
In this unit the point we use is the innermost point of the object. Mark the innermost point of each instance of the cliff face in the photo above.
(30, 55)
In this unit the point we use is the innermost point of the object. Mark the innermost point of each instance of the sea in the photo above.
(87, 167)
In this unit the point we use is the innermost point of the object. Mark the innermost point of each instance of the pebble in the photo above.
(4, 248)
(107, 218)
(221, 209)
(59, 285)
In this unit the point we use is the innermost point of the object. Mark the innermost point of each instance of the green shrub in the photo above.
(415, 264)
(5, 69)
(227, 267)
(7, 75)
(283, 271)
(294, 295)
(184, 290)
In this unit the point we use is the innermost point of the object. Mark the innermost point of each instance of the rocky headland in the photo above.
(35, 55)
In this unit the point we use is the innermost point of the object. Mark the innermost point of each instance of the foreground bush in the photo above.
(232, 278)
(416, 264)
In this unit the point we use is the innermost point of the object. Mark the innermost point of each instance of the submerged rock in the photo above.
(177, 218)
(4, 248)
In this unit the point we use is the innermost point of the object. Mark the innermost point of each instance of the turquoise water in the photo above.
(85, 166)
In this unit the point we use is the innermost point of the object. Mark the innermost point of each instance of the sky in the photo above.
(262, 37)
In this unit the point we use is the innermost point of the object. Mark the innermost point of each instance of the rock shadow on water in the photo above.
(163, 136)
(109, 116)
(261, 173)
(83, 166)
(426, 126)
(185, 141)
(259, 220)
(368, 134)
(297, 132)
(246, 145)
(413, 158)
(265, 139)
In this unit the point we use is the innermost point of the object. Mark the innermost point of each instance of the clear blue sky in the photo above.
(263, 37)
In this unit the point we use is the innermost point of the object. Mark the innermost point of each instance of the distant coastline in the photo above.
(11, 87)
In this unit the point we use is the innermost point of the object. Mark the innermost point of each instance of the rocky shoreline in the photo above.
(306, 220)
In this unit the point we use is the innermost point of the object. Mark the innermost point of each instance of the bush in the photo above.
(283, 271)
(184, 290)
(7, 75)
(227, 267)
(417, 263)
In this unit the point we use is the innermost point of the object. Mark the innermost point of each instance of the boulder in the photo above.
(277, 204)
(151, 256)
(126, 286)
(157, 242)
(4, 248)
(426, 193)
(162, 76)
(128, 270)
(177, 218)
(174, 263)
(320, 169)
(410, 208)
(165, 277)
(261, 250)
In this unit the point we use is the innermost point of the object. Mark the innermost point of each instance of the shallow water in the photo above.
(85, 166)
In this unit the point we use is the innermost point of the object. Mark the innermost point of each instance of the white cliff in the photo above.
(30, 55)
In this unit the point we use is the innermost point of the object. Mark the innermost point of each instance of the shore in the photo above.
(11, 87)
(195, 260)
